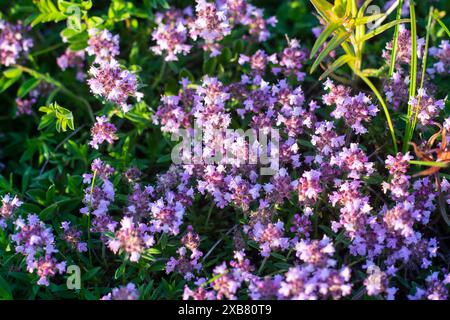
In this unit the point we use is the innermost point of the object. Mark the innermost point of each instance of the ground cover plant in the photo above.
(127, 170)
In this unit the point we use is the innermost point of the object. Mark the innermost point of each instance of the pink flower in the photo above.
(102, 131)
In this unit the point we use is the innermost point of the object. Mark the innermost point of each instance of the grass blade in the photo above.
(442, 25)
(413, 73)
(336, 65)
(333, 44)
(429, 163)
(323, 37)
(412, 77)
(422, 80)
(383, 28)
(383, 104)
(324, 8)
(395, 40)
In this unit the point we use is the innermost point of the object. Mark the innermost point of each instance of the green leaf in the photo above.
(363, 8)
(382, 29)
(64, 117)
(12, 73)
(27, 86)
(323, 37)
(430, 163)
(367, 19)
(442, 25)
(325, 9)
(333, 44)
(336, 65)
(5, 290)
(48, 13)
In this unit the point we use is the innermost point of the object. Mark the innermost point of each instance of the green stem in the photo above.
(383, 104)
(263, 264)
(89, 215)
(209, 213)
(442, 25)
(422, 80)
(395, 40)
(48, 49)
(413, 75)
(162, 72)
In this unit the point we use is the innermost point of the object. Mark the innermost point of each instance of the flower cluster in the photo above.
(103, 45)
(109, 81)
(9, 206)
(128, 292)
(184, 264)
(426, 107)
(102, 131)
(171, 34)
(13, 42)
(72, 236)
(403, 56)
(98, 198)
(442, 55)
(209, 22)
(355, 110)
(131, 238)
(36, 242)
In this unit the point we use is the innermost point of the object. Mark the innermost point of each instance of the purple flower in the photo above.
(184, 264)
(376, 282)
(354, 161)
(24, 106)
(103, 45)
(109, 81)
(36, 242)
(435, 288)
(72, 236)
(397, 90)
(309, 187)
(403, 56)
(131, 238)
(427, 107)
(316, 252)
(102, 131)
(355, 110)
(292, 59)
(442, 55)
(171, 35)
(270, 237)
(128, 292)
(211, 24)
(13, 43)
(167, 216)
(9, 206)
(72, 59)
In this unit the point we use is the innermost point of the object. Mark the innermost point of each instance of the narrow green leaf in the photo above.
(384, 106)
(323, 37)
(395, 40)
(336, 65)
(333, 44)
(363, 8)
(27, 86)
(12, 73)
(382, 29)
(442, 25)
(430, 163)
(367, 19)
(324, 8)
